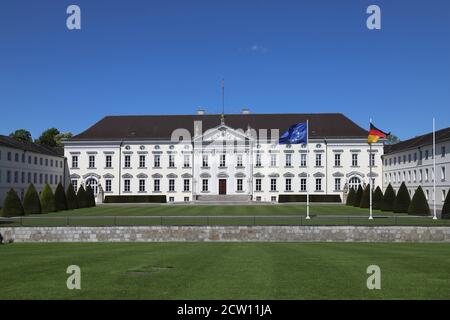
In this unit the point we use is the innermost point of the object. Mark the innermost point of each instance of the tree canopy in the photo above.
(21, 135)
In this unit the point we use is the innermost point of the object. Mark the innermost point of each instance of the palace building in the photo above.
(213, 157)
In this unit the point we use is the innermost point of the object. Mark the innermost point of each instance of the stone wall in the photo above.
(227, 233)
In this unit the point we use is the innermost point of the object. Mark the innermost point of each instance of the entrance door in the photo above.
(222, 186)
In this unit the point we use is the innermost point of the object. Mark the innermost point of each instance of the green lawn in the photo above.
(225, 271)
(289, 214)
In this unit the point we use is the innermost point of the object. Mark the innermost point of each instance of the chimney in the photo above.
(200, 111)
(245, 111)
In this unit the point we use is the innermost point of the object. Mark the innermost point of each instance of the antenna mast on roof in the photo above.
(222, 117)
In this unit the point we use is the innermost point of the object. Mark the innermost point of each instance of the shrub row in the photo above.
(312, 198)
(136, 199)
(47, 201)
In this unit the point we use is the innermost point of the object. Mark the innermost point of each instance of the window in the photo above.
(36, 161)
(239, 160)
(75, 185)
(186, 199)
(273, 198)
(127, 162)
(414, 175)
(318, 160)
(426, 174)
(337, 184)
(443, 173)
(318, 184)
(156, 160)
(337, 160)
(16, 157)
(258, 185)
(171, 161)
(16, 177)
(51, 179)
(141, 161)
(404, 158)
(40, 178)
(354, 159)
(171, 199)
(222, 160)
(186, 184)
(273, 184)
(187, 161)
(51, 162)
(303, 184)
(8, 176)
(9, 156)
(171, 184)
(354, 182)
(29, 177)
(93, 184)
(205, 185)
(288, 184)
(443, 153)
(409, 157)
(141, 185)
(372, 160)
(23, 177)
(273, 160)
(23, 157)
(427, 194)
(420, 175)
(108, 162)
(46, 162)
(205, 160)
(288, 160)
(108, 185)
(239, 184)
(426, 154)
(91, 161)
(303, 160)
(443, 194)
(409, 176)
(74, 161)
(126, 184)
(156, 185)
(420, 155)
(258, 160)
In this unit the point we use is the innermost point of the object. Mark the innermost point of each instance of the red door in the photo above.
(222, 186)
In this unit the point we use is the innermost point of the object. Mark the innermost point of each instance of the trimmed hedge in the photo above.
(136, 199)
(365, 199)
(12, 206)
(350, 197)
(90, 196)
(47, 200)
(31, 201)
(71, 196)
(402, 200)
(388, 199)
(419, 204)
(377, 199)
(60, 198)
(445, 214)
(82, 198)
(282, 198)
(358, 196)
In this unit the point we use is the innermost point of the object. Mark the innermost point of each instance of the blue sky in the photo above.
(168, 57)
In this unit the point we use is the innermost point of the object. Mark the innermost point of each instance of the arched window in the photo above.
(93, 184)
(354, 182)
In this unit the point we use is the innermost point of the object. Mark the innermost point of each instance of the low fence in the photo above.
(286, 220)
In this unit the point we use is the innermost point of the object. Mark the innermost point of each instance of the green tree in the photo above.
(377, 199)
(358, 196)
(12, 206)
(62, 136)
(402, 200)
(419, 204)
(445, 214)
(21, 135)
(82, 198)
(47, 200)
(392, 139)
(60, 198)
(72, 200)
(48, 138)
(31, 202)
(388, 199)
(365, 199)
(350, 197)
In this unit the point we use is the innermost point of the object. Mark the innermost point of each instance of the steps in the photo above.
(223, 198)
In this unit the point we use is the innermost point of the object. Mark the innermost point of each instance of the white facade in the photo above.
(19, 168)
(414, 167)
(222, 161)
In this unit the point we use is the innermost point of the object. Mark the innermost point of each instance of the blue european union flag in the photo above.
(296, 134)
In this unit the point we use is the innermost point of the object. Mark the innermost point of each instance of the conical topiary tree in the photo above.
(82, 198)
(419, 204)
(365, 199)
(90, 196)
(402, 200)
(31, 201)
(60, 198)
(377, 199)
(350, 197)
(358, 197)
(72, 200)
(445, 214)
(12, 206)
(47, 200)
(388, 199)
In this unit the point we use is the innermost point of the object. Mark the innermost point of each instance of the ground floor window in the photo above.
(258, 198)
(337, 184)
(239, 184)
(273, 184)
(171, 184)
(318, 184)
(186, 199)
(92, 183)
(303, 184)
(156, 185)
(127, 185)
(258, 184)
(108, 185)
(142, 185)
(205, 185)
(273, 199)
(75, 185)
(171, 199)
(288, 184)
(186, 185)
(354, 182)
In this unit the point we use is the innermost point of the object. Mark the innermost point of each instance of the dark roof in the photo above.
(27, 146)
(321, 125)
(419, 141)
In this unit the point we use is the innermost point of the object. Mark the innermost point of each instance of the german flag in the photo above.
(375, 134)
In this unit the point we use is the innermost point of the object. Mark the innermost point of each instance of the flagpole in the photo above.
(370, 177)
(307, 170)
(434, 170)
